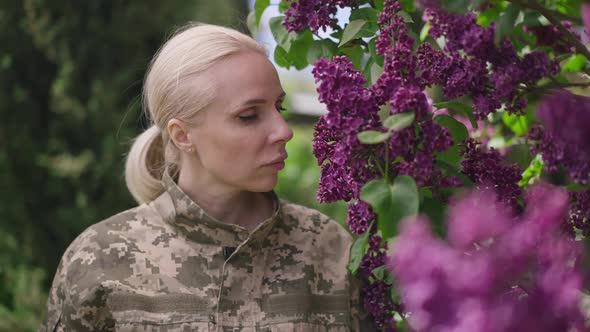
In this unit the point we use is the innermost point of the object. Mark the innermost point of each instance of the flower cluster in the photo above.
(351, 109)
(549, 35)
(496, 272)
(485, 168)
(565, 139)
(462, 67)
(579, 213)
(315, 14)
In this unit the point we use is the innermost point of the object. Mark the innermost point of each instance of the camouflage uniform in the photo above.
(162, 267)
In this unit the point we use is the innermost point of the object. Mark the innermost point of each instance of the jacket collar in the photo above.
(189, 218)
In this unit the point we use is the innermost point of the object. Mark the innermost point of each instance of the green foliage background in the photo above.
(70, 80)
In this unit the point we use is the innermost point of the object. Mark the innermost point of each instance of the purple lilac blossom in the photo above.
(351, 109)
(376, 301)
(315, 14)
(549, 35)
(462, 67)
(485, 168)
(579, 213)
(510, 274)
(360, 216)
(565, 139)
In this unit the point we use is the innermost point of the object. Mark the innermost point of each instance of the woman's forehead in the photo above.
(245, 76)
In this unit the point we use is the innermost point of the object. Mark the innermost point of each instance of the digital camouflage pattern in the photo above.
(161, 267)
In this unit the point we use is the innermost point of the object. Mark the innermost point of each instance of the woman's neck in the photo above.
(226, 204)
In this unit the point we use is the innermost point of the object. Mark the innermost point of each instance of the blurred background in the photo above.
(71, 74)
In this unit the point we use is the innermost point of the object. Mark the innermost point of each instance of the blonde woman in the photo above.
(210, 247)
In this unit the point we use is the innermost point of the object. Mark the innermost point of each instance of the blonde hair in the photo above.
(172, 90)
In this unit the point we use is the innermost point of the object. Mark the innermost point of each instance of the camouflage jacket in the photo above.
(168, 266)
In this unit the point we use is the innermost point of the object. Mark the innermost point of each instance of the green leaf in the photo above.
(407, 18)
(506, 22)
(259, 8)
(488, 16)
(368, 14)
(282, 57)
(373, 52)
(517, 123)
(279, 32)
(532, 173)
(300, 49)
(296, 56)
(435, 210)
(399, 121)
(251, 23)
(373, 137)
(351, 31)
(379, 272)
(575, 64)
(451, 156)
(379, 5)
(357, 252)
(391, 203)
(284, 5)
(577, 187)
(459, 107)
(324, 48)
(424, 32)
(355, 53)
(408, 5)
(376, 72)
(457, 129)
(453, 170)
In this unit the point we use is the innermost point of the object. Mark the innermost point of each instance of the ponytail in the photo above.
(145, 165)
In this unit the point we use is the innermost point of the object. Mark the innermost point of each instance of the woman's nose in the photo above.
(281, 130)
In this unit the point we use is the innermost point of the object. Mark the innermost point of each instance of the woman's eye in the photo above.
(248, 118)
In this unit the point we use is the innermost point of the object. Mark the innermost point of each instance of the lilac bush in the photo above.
(497, 272)
(399, 82)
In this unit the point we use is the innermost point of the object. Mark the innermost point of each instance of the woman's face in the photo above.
(240, 138)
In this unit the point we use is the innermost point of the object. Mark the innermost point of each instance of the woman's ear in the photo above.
(178, 133)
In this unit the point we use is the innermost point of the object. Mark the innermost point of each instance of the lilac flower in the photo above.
(566, 117)
(315, 14)
(462, 67)
(537, 65)
(485, 168)
(360, 216)
(376, 301)
(566, 138)
(375, 255)
(410, 98)
(549, 35)
(392, 27)
(579, 213)
(468, 284)
(420, 168)
(474, 219)
(351, 109)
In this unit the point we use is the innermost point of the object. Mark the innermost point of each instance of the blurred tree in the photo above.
(70, 82)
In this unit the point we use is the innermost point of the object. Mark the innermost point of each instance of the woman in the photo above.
(210, 247)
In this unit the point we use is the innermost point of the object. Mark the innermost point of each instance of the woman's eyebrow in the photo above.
(256, 101)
